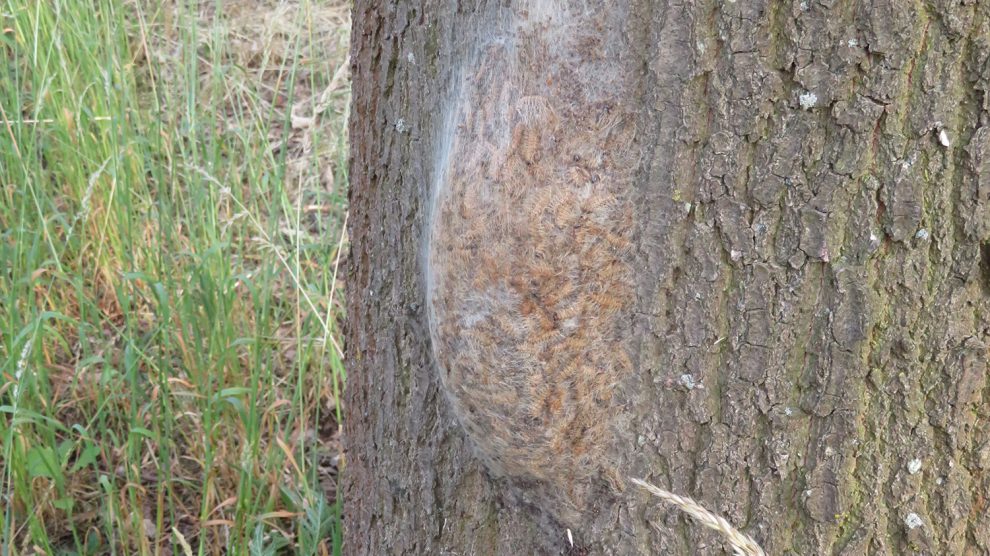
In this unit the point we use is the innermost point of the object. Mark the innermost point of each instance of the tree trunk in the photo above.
(797, 219)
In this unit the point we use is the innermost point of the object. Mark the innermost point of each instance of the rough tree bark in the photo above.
(812, 262)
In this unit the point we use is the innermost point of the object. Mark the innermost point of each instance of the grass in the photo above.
(172, 207)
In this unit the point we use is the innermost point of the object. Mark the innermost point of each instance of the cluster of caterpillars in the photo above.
(528, 269)
(529, 281)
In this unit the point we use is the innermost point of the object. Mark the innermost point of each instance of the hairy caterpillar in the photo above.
(528, 255)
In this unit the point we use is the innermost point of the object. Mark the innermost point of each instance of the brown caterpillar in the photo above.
(526, 317)
(500, 324)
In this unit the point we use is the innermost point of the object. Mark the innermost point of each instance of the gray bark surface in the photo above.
(812, 256)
